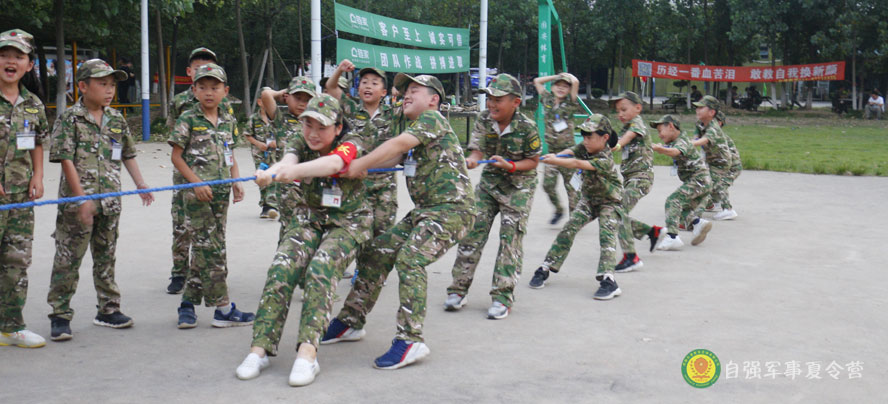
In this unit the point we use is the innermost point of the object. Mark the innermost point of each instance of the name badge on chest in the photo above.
(576, 181)
(331, 197)
(229, 156)
(674, 171)
(24, 140)
(625, 154)
(410, 165)
(116, 150)
(559, 124)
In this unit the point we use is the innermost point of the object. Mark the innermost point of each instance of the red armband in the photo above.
(347, 152)
(514, 167)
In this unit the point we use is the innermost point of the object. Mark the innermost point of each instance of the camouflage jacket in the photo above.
(555, 111)
(601, 186)
(640, 158)
(354, 213)
(441, 175)
(286, 128)
(690, 163)
(204, 145)
(519, 141)
(383, 128)
(182, 102)
(717, 151)
(258, 129)
(15, 165)
(79, 138)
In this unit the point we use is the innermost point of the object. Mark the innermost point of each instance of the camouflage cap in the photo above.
(628, 95)
(503, 84)
(302, 84)
(18, 39)
(211, 70)
(721, 118)
(708, 101)
(324, 108)
(666, 119)
(202, 52)
(375, 71)
(597, 123)
(563, 77)
(95, 68)
(402, 81)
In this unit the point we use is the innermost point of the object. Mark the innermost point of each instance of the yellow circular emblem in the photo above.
(700, 368)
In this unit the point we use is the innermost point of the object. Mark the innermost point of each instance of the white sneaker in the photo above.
(304, 372)
(497, 311)
(455, 302)
(22, 339)
(726, 214)
(670, 244)
(251, 366)
(701, 228)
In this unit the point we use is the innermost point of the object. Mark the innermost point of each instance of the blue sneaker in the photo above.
(187, 318)
(337, 331)
(402, 353)
(234, 318)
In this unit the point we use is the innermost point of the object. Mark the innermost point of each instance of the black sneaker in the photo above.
(60, 329)
(177, 284)
(187, 317)
(656, 236)
(264, 213)
(556, 218)
(608, 289)
(628, 265)
(113, 320)
(539, 278)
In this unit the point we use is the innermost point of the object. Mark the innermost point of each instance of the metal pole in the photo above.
(317, 64)
(482, 58)
(146, 113)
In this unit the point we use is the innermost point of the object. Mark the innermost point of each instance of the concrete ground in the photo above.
(799, 276)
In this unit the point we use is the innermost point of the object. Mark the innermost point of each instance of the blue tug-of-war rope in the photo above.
(75, 199)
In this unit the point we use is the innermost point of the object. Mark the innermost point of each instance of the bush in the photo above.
(159, 129)
(597, 93)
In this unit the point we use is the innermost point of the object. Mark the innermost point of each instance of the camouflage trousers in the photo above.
(687, 203)
(16, 236)
(207, 280)
(312, 254)
(383, 201)
(550, 185)
(609, 220)
(289, 196)
(417, 241)
(181, 234)
(722, 179)
(71, 240)
(513, 208)
(634, 188)
(268, 195)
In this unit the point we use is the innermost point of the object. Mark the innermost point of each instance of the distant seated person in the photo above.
(875, 105)
(752, 100)
(696, 95)
(735, 96)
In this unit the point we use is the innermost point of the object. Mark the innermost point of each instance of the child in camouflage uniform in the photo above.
(727, 210)
(319, 245)
(600, 192)
(23, 130)
(202, 152)
(286, 127)
(559, 107)
(262, 146)
(90, 140)
(439, 186)
(367, 109)
(181, 229)
(686, 204)
(717, 148)
(505, 135)
(637, 168)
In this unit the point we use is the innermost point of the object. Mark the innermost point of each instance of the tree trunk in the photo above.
(172, 74)
(610, 87)
(161, 68)
(854, 80)
(44, 79)
(269, 79)
(301, 48)
(61, 66)
(243, 51)
(620, 66)
(809, 100)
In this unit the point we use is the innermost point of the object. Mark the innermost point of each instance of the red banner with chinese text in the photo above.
(816, 71)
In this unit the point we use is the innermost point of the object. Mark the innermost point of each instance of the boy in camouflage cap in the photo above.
(262, 146)
(559, 107)
(90, 140)
(637, 168)
(318, 245)
(202, 152)
(23, 131)
(439, 186)
(725, 211)
(686, 204)
(505, 135)
(287, 127)
(717, 151)
(600, 192)
(181, 230)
